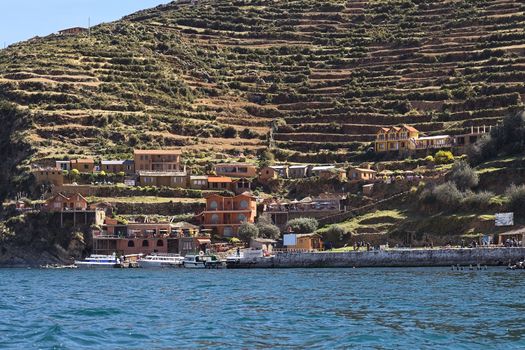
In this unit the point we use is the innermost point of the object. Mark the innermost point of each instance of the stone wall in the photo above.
(394, 258)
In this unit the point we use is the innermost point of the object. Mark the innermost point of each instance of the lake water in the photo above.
(424, 308)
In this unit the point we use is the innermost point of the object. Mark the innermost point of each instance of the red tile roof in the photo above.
(219, 179)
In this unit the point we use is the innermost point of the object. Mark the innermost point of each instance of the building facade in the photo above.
(53, 177)
(396, 138)
(235, 170)
(225, 215)
(86, 165)
(157, 160)
(118, 166)
(361, 174)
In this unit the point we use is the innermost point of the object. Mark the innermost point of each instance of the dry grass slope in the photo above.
(180, 74)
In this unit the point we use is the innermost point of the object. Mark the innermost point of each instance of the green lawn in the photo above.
(377, 219)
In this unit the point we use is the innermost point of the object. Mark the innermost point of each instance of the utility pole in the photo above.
(89, 27)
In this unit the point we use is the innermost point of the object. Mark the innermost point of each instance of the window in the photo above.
(131, 244)
(160, 243)
(86, 167)
(244, 204)
(241, 217)
(228, 231)
(213, 205)
(145, 243)
(215, 219)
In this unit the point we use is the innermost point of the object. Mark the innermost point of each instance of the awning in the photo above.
(203, 241)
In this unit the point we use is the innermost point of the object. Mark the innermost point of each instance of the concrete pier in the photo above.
(391, 258)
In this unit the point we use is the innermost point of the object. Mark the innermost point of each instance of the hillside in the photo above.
(327, 72)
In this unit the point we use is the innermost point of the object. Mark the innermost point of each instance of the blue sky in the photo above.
(24, 19)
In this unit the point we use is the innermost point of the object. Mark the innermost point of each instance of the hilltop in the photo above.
(312, 79)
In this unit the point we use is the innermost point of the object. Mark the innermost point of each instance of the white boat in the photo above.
(98, 262)
(194, 262)
(161, 261)
(201, 261)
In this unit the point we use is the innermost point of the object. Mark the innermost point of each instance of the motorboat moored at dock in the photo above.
(98, 262)
(202, 261)
(161, 261)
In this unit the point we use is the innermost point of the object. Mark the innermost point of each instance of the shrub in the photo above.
(303, 225)
(464, 176)
(334, 234)
(443, 157)
(516, 196)
(448, 195)
(230, 132)
(247, 231)
(429, 159)
(505, 139)
(479, 200)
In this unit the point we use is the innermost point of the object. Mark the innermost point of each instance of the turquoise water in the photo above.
(292, 309)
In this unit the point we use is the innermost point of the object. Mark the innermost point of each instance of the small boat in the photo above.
(202, 261)
(161, 261)
(98, 262)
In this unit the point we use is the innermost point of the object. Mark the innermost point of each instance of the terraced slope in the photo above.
(327, 73)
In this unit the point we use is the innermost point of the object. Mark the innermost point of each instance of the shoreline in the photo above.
(396, 257)
(498, 256)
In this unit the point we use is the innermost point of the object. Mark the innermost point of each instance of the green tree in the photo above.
(247, 231)
(268, 230)
(334, 234)
(303, 225)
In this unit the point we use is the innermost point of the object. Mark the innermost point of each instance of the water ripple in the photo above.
(261, 309)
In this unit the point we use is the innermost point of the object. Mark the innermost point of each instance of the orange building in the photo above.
(86, 165)
(61, 203)
(361, 174)
(307, 241)
(225, 214)
(158, 160)
(219, 183)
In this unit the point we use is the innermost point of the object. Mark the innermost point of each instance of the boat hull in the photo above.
(159, 265)
(81, 265)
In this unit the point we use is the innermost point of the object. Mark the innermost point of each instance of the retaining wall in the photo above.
(393, 258)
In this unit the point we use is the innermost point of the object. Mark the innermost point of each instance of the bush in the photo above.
(429, 159)
(269, 231)
(516, 196)
(230, 132)
(443, 157)
(480, 200)
(448, 195)
(507, 139)
(464, 176)
(247, 231)
(334, 234)
(303, 225)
